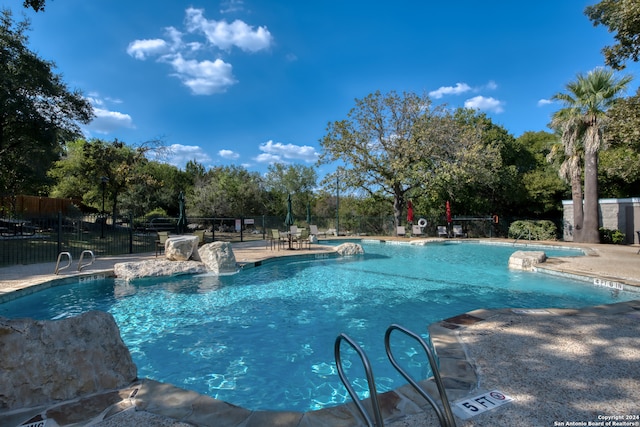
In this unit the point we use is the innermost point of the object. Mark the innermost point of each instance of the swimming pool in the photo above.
(263, 339)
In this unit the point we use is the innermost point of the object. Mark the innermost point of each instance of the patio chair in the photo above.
(442, 231)
(162, 239)
(313, 231)
(276, 239)
(416, 230)
(400, 231)
(200, 235)
(303, 238)
(457, 231)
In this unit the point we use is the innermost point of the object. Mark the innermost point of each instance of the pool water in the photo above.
(263, 338)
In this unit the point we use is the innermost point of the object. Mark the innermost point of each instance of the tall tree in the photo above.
(620, 163)
(297, 180)
(568, 123)
(227, 191)
(586, 102)
(544, 189)
(390, 144)
(81, 171)
(622, 17)
(37, 111)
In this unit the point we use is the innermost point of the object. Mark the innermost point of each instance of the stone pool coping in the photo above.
(150, 403)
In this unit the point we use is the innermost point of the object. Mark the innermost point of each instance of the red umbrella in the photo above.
(409, 211)
(448, 212)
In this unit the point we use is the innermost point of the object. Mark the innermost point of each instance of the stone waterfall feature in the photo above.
(181, 248)
(48, 361)
(218, 257)
(182, 256)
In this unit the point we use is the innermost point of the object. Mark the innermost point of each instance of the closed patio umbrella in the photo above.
(308, 212)
(288, 221)
(448, 208)
(409, 212)
(182, 218)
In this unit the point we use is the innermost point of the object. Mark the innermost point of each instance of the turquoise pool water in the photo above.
(263, 339)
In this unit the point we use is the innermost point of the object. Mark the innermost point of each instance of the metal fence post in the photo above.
(59, 231)
(130, 233)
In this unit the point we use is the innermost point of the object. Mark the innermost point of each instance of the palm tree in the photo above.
(571, 130)
(587, 100)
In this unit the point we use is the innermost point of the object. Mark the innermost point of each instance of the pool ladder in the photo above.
(444, 413)
(70, 260)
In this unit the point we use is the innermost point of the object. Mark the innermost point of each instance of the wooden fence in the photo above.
(20, 206)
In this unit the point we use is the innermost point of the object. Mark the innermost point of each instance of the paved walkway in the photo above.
(559, 366)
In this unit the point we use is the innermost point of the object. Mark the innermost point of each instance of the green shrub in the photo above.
(615, 237)
(533, 230)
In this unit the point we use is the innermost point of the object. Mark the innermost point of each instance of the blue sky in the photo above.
(254, 82)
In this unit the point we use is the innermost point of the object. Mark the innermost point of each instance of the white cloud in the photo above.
(203, 77)
(107, 121)
(141, 49)
(491, 85)
(485, 104)
(228, 154)
(268, 158)
(226, 35)
(178, 155)
(450, 90)
(232, 6)
(281, 153)
(543, 102)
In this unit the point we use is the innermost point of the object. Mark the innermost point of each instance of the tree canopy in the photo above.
(394, 144)
(621, 17)
(86, 164)
(38, 113)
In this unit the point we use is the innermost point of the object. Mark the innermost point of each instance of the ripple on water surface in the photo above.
(263, 339)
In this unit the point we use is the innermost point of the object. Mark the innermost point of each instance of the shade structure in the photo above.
(409, 211)
(448, 207)
(182, 216)
(288, 221)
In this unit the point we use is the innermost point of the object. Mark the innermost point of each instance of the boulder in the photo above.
(349, 249)
(156, 268)
(218, 257)
(49, 361)
(180, 248)
(526, 260)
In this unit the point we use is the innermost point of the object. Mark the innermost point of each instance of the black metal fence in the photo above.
(41, 239)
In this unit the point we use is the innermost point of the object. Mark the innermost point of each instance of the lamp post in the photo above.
(104, 181)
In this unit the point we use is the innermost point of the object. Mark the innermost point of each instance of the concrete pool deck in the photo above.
(559, 366)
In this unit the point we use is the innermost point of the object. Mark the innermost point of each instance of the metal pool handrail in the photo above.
(372, 386)
(446, 417)
(93, 259)
(58, 268)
